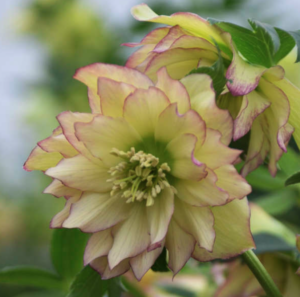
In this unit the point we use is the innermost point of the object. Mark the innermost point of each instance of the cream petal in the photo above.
(143, 262)
(102, 267)
(131, 238)
(174, 90)
(95, 212)
(98, 246)
(202, 97)
(184, 165)
(159, 215)
(142, 109)
(201, 193)
(180, 246)
(58, 189)
(233, 235)
(80, 173)
(197, 221)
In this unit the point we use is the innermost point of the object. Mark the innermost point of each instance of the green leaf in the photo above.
(266, 243)
(88, 283)
(41, 294)
(216, 72)
(294, 179)
(31, 277)
(161, 264)
(176, 291)
(67, 249)
(287, 43)
(134, 290)
(115, 288)
(296, 36)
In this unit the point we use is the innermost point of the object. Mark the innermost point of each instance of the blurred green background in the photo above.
(42, 43)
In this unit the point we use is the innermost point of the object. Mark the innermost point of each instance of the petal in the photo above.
(98, 246)
(202, 96)
(142, 109)
(230, 181)
(89, 76)
(253, 104)
(58, 219)
(183, 164)
(81, 174)
(201, 193)
(102, 267)
(41, 160)
(197, 221)
(171, 124)
(58, 189)
(131, 238)
(293, 94)
(67, 120)
(59, 144)
(105, 133)
(159, 215)
(113, 95)
(143, 262)
(233, 236)
(174, 90)
(95, 212)
(178, 61)
(180, 246)
(213, 147)
(188, 21)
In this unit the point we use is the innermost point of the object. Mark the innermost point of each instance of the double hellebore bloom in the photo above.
(144, 172)
(261, 100)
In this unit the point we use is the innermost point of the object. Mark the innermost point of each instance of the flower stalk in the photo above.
(261, 274)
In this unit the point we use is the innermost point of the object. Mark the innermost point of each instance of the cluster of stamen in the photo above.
(139, 177)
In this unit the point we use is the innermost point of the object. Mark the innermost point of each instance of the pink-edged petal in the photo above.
(180, 246)
(233, 235)
(105, 133)
(197, 221)
(174, 90)
(202, 97)
(67, 120)
(274, 73)
(178, 61)
(184, 165)
(58, 220)
(201, 193)
(58, 189)
(59, 144)
(253, 104)
(89, 76)
(80, 173)
(213, 147)
(293, 94)
(142, 109)
(188, 21)
(94, 101)
(230, 181)
(143, 262)
(131, 238)
(113, 95)
(102, 267)
(41, 160)
(171, 124)
(95, 212)
(159, 215)
(98, 246)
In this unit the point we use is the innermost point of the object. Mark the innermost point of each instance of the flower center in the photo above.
(140, 176)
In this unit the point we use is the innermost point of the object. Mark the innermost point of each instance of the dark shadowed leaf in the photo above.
(161, 264)
(31, 277)
(67, 249)
(294, 179)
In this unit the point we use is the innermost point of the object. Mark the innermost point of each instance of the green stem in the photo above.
(261, 274)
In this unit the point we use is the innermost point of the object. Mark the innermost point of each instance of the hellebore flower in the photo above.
(144, 172)
(261, 100)
(240, 281)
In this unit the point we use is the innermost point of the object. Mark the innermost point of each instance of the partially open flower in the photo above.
(261, 100)
(144, 172)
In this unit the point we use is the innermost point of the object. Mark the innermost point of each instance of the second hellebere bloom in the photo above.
(144, 172)
(260, 100)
